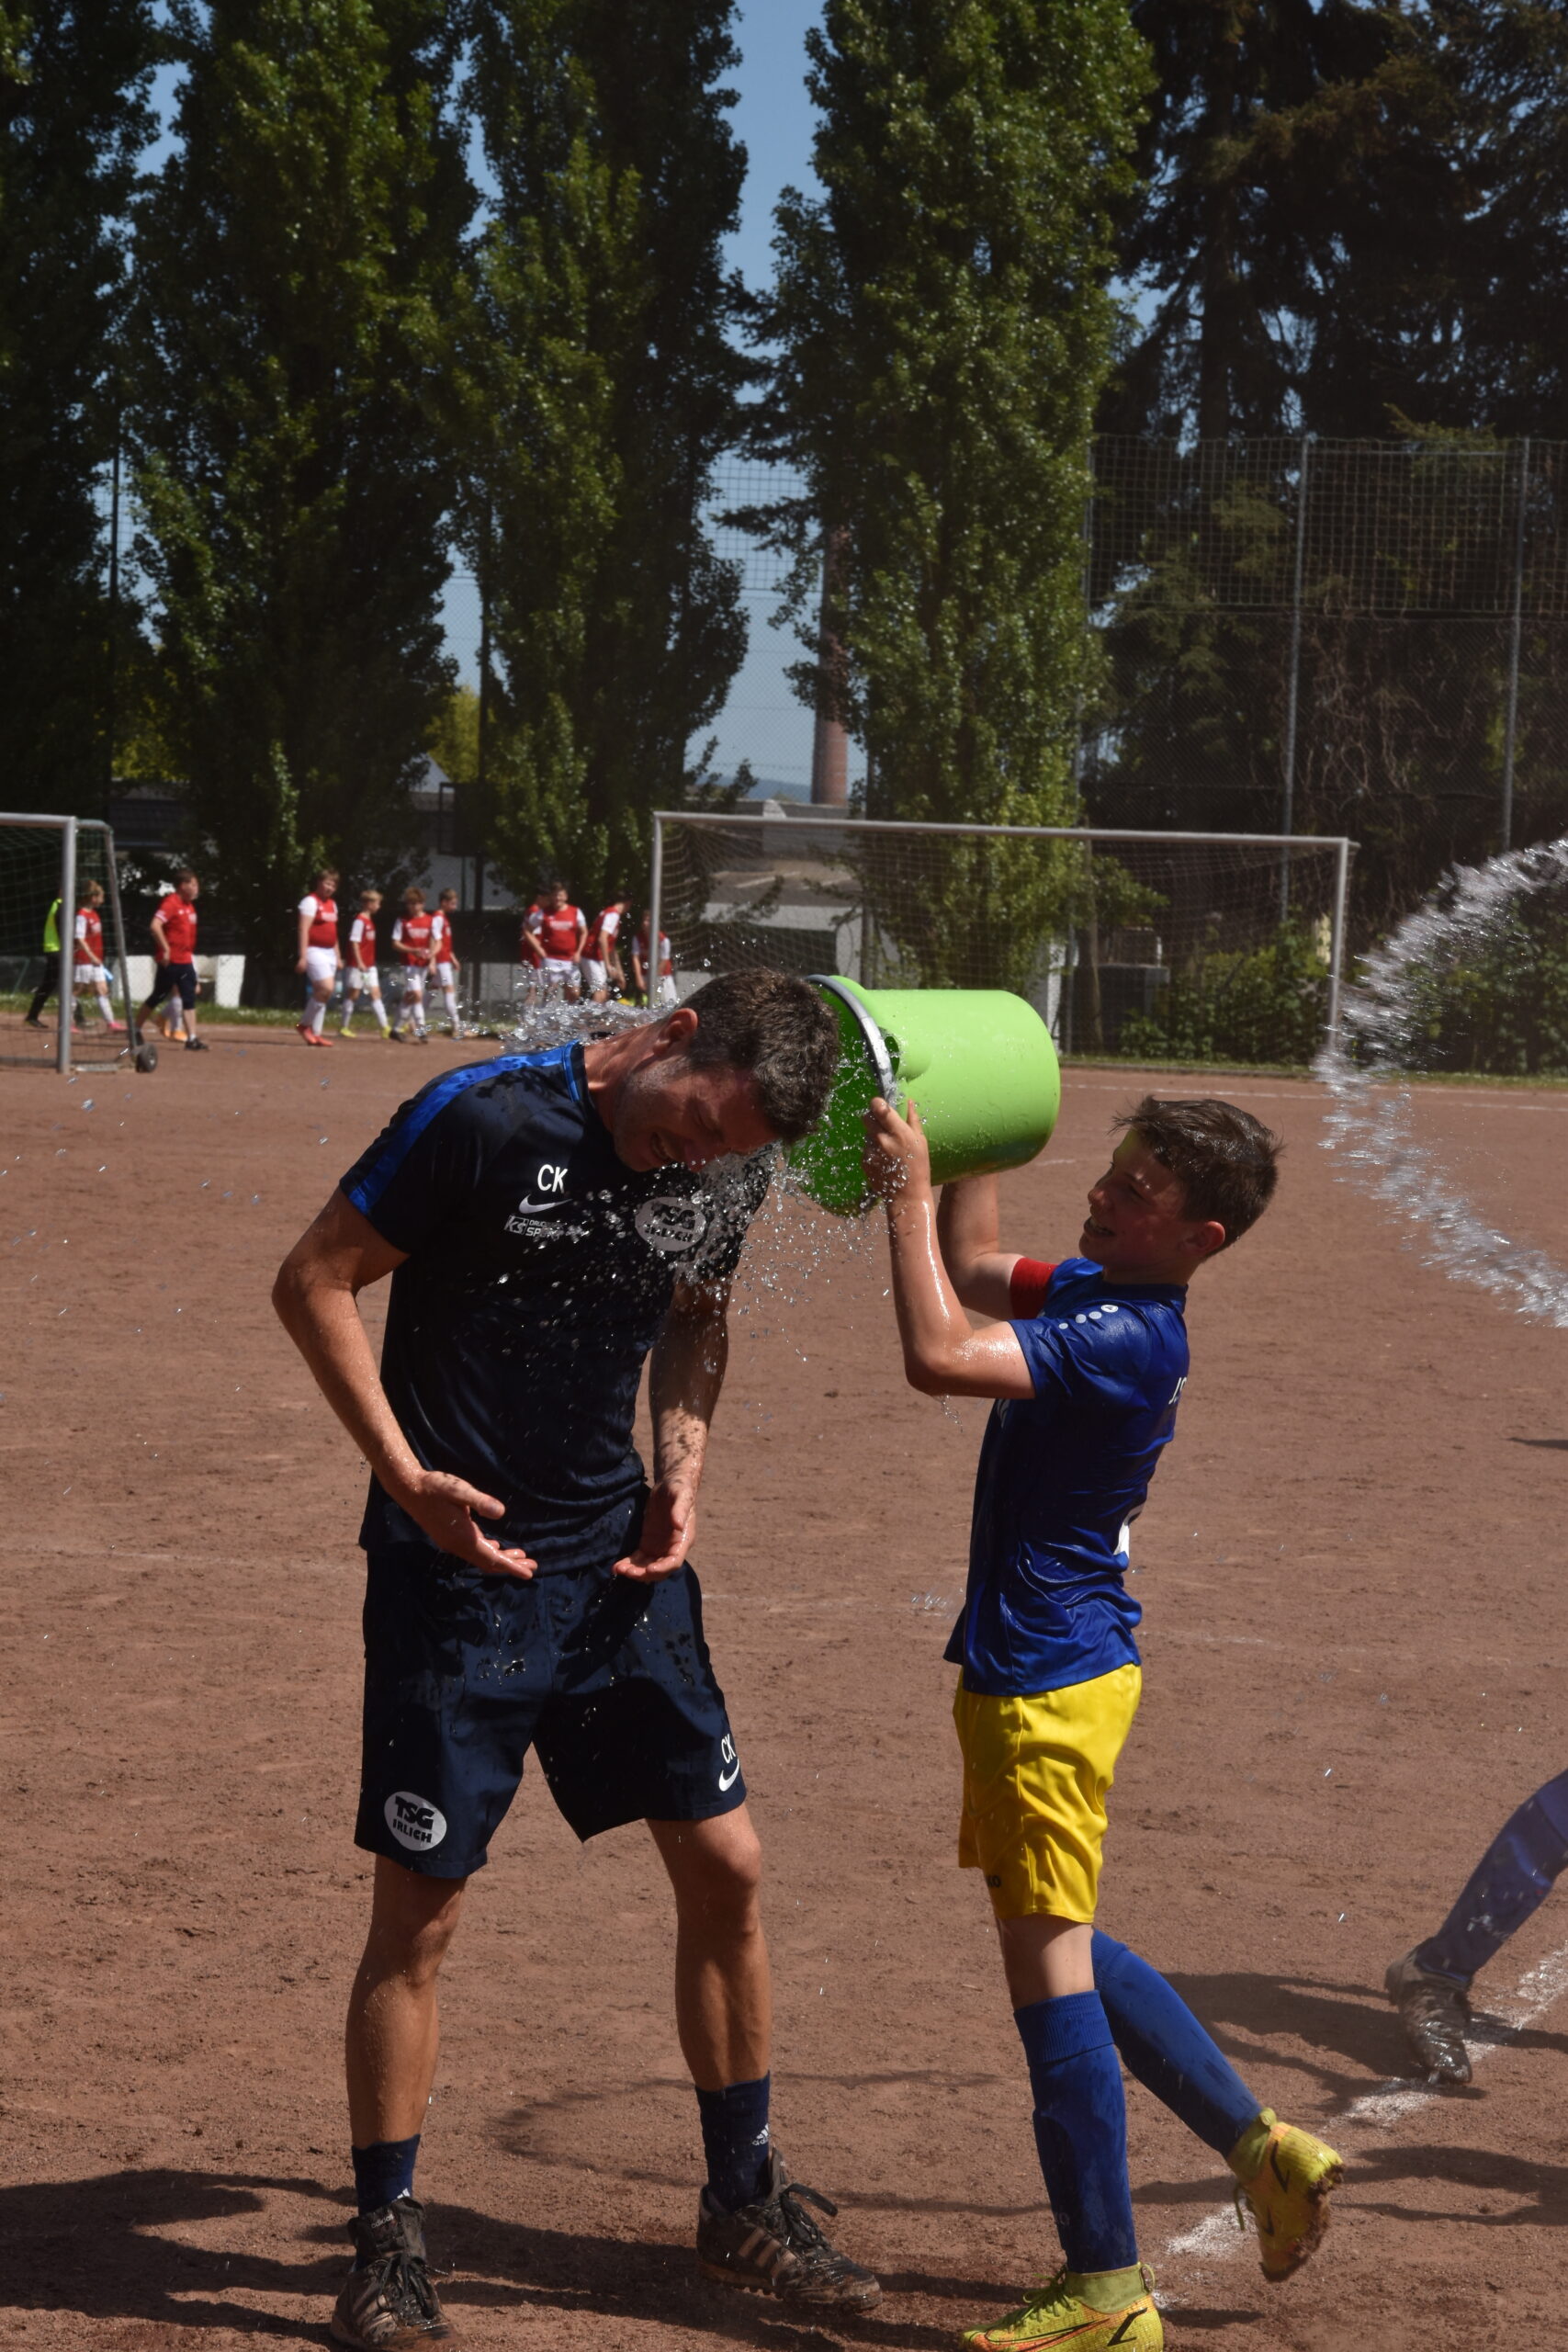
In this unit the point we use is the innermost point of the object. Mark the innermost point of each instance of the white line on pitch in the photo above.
(1216, 2236)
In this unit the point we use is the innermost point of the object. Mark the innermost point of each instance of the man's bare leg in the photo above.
(724, 2000)
(393, 2029)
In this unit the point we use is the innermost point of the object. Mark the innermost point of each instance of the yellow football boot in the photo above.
(1283, 2178)
(1060, 2311)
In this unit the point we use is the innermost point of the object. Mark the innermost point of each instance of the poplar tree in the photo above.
(297, 258)
(943, 328)
(73, 116)
(602, 383)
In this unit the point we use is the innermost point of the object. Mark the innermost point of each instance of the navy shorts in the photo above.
(175, 979)
(609, 1680)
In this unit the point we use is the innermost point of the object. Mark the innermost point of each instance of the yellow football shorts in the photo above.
(1037, 1773)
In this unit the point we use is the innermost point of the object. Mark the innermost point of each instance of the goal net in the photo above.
(1151, 946)
(48, 868)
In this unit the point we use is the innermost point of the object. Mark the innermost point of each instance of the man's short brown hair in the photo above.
(777, 1026)
(1227, 1161)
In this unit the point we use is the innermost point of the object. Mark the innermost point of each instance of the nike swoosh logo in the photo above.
(727, 1780)
(538, 1208)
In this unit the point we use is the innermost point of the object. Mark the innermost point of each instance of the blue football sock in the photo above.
(1080, 2128)
(384, 2172)
(735, 2140)
(1168, 2051)
(1516, 1874)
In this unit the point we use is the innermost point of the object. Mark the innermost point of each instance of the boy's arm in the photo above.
(942, 1357)
(968, 1225)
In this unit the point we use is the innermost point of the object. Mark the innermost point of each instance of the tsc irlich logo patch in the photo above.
(414, 1822)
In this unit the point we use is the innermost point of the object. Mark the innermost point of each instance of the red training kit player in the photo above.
(178, 918)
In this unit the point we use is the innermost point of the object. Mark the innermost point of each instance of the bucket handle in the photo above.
(875, 1044)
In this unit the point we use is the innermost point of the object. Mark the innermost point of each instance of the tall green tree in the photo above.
(942, 326)
(73, 116)
(299, 256)
(602, 382)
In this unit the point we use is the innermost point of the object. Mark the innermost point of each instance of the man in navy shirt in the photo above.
(1088, 1371)
(548, 1220)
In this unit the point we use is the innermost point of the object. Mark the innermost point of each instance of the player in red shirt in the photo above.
(361, 975)
(174, 944)
(320, 959)
(602, 948)
(92, 972)
(444, 958)
(557, 931)
(413, 936)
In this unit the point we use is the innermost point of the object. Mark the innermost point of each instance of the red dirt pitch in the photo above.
(1351, 1566)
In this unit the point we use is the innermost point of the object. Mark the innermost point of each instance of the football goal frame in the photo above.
(73, 1053)
(1280, 849)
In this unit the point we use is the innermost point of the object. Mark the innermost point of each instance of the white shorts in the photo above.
(366, 977)
(321, 964)
(559, 968)
(92, 976)
(413, 980)
(445, 976)
(664, 992)
(595, 973)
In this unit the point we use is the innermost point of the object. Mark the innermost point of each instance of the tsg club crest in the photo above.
(672, 1223)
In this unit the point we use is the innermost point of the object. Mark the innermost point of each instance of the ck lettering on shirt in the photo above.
(177, 916)
(322, 915)
(1061, 1476)
(539, 1272)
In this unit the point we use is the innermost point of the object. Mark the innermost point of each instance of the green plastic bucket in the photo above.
(979, 1062)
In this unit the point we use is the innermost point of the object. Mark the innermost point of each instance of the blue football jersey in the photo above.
(1062, 1474)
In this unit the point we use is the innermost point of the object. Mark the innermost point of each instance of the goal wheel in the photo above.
(147, 1056)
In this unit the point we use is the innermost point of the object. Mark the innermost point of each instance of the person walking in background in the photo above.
(559, 934)
(602, 950)
(361, 977)
(90, 971)
(173, 944)
(412, 936)
(1430, 1986)
(652, 987)
(444, 958)
(320, 959)
(50, 981)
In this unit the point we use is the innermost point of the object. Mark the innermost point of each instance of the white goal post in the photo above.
(1154, 945)
(45, 862)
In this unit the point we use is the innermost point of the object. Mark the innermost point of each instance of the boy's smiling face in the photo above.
(1138, 1227)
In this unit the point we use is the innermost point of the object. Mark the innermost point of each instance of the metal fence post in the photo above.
(1336, 940)
(655, 893)
(1511, 722)
(65, 932)
(1293, 689)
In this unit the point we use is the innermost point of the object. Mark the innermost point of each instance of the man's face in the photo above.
(328, 885)
(448, 903)
(189, 889)
(672, 1112)
(557, 900)
(1137, 1219)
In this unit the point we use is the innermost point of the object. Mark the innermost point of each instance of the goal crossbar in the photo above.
(1341, 846)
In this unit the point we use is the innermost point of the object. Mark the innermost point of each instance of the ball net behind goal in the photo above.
(31, 876)
(1155, 948)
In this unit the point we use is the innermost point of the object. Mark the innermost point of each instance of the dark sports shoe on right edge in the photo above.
(388, 2301)
(1434, 2013)
(774, 2247)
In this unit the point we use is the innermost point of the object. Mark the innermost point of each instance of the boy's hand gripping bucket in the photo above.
(978, 1061)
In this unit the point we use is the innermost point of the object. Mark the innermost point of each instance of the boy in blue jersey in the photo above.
(1087, 1369)
(550, 1222)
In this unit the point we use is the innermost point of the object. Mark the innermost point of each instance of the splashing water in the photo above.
(1373, 1118)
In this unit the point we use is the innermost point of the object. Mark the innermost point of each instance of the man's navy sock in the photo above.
(735, 2141)
(1080, 2128)
(1168, 2051)
(1517, 1871)
(384, 2172)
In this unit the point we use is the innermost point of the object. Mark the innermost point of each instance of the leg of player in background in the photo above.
(449, 1000)
(1431, 1985)
(350, 1002)
(378, 1009)
(188, 1017)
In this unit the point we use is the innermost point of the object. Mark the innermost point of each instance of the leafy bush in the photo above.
(1260, 1004)
(1501, 1005)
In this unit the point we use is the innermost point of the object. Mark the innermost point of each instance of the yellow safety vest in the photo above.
(51, 930)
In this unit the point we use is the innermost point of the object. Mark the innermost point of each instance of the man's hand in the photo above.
(446, 1508)
(897, 1154)
(299, 967)
(668, 1526)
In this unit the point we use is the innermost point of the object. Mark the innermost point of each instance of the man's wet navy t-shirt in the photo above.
(1061, 1476)
(540, 1268)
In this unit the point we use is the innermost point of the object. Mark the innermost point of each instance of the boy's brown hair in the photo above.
(1227, 1161)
